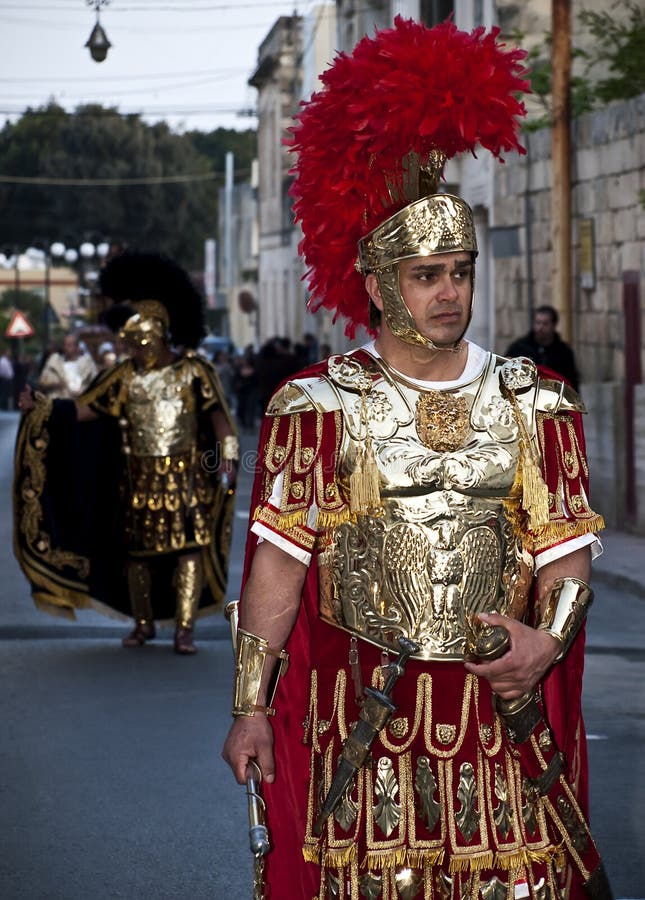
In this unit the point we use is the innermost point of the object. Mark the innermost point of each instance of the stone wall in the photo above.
(608, 188)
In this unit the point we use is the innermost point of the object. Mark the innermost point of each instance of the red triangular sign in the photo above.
(19, 326)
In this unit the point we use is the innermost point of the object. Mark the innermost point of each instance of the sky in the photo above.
(183, 61)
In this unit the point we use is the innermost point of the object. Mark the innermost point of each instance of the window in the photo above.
(435, 11)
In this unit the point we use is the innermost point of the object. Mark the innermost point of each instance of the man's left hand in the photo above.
(530, 655)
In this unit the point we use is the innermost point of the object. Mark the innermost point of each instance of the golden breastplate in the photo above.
(443, 547)
(160, 409)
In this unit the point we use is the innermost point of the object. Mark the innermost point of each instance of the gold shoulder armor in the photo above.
(557, 396)
(303, 395)
(518, 373)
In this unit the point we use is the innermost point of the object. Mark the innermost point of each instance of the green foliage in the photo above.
(539, 62)
(617, 44)
(215, 144)
(621, 44)
(96, 142)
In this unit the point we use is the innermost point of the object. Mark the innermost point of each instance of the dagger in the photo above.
(375, 713)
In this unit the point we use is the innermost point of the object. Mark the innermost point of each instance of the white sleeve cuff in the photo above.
(266, 534)
(567, 547)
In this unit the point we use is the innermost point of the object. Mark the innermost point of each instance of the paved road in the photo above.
(614, 707)
(111, 784)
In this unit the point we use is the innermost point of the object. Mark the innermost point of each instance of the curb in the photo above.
(620, 582)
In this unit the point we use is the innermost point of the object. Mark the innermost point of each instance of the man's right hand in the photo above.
(250, 737)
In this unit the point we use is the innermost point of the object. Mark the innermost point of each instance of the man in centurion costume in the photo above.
(176, 439)
(421, 534)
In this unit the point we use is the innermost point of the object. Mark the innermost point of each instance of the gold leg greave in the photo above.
(189, 581)
(140, 588)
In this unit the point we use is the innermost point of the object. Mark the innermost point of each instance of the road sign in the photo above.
(19, 327)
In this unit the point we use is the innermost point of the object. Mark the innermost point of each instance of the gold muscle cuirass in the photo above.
(160, 410)
(442, 547)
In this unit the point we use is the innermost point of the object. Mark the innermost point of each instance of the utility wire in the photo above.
(115, 182)
(108, 182)
(147, 111)
(210, 7)
(199, 73)
(148, 29)
(144, 89)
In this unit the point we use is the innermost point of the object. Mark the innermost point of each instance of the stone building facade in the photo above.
(608, 282)
(278, 80)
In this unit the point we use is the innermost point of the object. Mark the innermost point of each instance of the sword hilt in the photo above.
(258, 833)
(397, 667)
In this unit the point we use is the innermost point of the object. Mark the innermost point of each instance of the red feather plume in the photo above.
(409, 88)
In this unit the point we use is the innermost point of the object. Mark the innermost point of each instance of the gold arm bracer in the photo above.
(566, 610)
(230, 448)
(250, 660)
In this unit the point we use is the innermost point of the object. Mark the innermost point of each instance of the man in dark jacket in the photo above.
(545, 347)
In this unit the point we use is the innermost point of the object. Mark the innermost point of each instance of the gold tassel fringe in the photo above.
(560, 531)
(418, 859)
(328, 519)
(290, 520)
(385, 859)
(364, 483)
(473, 863)
(511, 860)
(311, 854)
(535, 493)
(285, 520)
(548, 854)
(337, 859)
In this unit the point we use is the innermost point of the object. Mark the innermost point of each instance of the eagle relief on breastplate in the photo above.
(442, 548)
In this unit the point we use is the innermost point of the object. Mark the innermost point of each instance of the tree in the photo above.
(98, 143)
(215, 144)
(539, 60)
(620, 44)
(618, 47)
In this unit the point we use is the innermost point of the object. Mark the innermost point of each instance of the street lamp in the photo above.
(78, 259)
(86, 253)
(9, 259)
(44, 254)
(98, 43)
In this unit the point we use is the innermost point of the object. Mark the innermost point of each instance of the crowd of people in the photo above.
(250, 377)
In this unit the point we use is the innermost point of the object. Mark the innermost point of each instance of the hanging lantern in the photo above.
(98, 43)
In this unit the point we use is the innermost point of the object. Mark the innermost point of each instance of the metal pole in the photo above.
(228, 222)
(46, 316)
(528, 225)
(560, 149)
